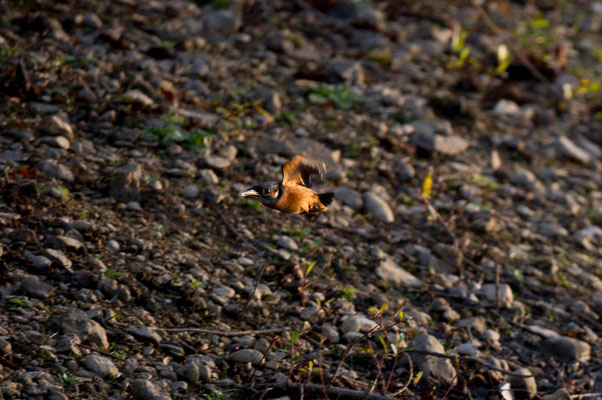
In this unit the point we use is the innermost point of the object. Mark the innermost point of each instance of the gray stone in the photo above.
(349, 197)
(56, 141)
(244, 356)
(58, 257)
(504, 294)
(527, 387)
(506, 107)
(145, 390)
(467, 349)
(133, 206)
(215, 162)
(55, 170)
(101, 366)
(54, 125)
(69, 344)
(189, 372)
(222, 21)
(567, 349)
(65, 242)
(172, 348)
(37, 262)
(145, 334)
(388, 270)
(522, 177)
(477, 323)
(377, 207)
(286, 242)
(405, 173)
(208, 176)
(191, 192)
(36, 288)
(357, 323)
(425, 138)
(439, 368)
(349, 71)
(224, 291)
(79, 322)
(113, 245)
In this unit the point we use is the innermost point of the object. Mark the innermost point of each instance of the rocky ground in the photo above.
(131, 268)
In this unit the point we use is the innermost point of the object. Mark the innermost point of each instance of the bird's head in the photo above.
(266, 192)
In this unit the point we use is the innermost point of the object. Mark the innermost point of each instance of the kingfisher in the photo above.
(293, 194)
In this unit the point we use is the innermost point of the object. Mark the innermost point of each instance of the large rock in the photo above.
(439, 368)
(79, 322)
(388, 270)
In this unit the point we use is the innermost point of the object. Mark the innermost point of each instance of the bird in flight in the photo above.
(293, 194)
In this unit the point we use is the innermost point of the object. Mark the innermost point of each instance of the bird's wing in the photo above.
(299, 170)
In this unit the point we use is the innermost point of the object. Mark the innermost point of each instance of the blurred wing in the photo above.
(299, 170)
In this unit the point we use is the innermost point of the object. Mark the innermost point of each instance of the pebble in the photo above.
(54, 125)
(288, 243)
(36, 288)
(244, 356)
(113, 245)
(55, 170)
(467, 349)
(207, 176)
(145, 334)
(135, 96)
(100, 365)
(215, 162)
(65, 242)
(377, 207)
(191, 192)
(572, 151)
(504, 293)
(58, 257)
(349, 197)
(389, 271)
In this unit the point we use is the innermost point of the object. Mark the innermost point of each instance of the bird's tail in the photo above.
(326, 198)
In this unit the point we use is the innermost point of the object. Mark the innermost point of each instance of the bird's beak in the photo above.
(249, 193)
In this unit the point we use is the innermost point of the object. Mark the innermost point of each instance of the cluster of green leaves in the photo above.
(338, 95)
(172, 131)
